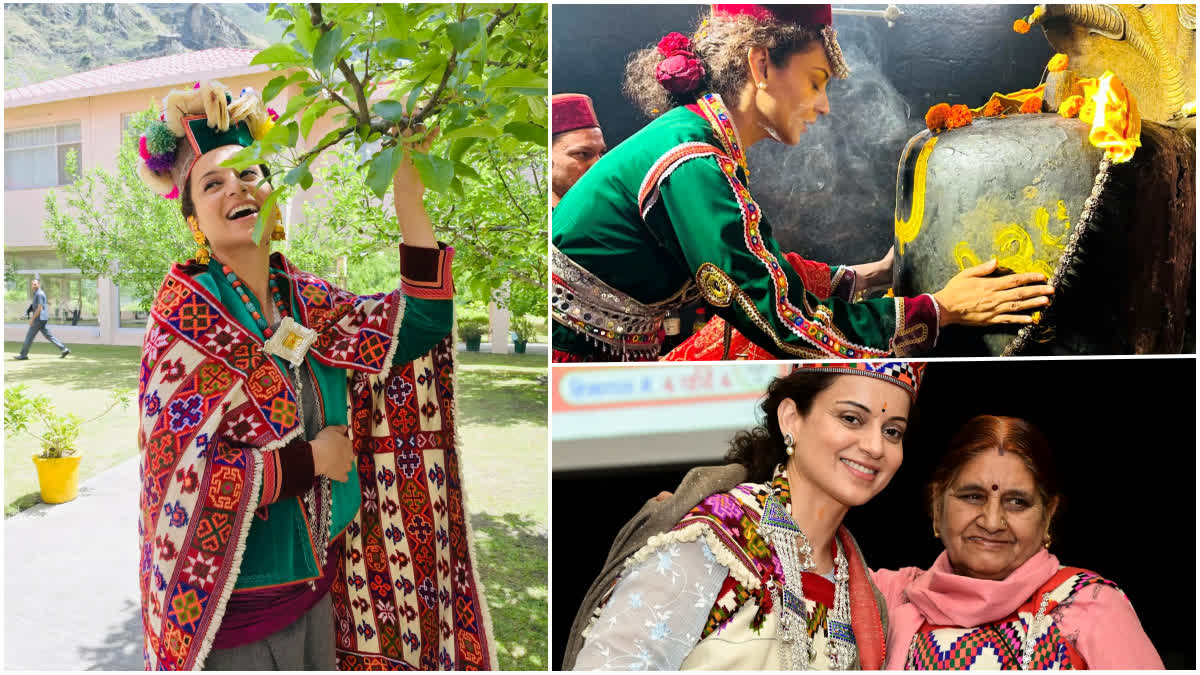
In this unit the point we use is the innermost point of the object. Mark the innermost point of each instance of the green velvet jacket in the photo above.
(279, 548)
(669, 208)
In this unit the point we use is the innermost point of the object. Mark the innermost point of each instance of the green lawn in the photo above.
(502, 425)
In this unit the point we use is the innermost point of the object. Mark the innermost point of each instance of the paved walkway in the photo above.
(70, 582)
(530, 348)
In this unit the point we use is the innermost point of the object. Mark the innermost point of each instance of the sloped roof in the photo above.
(144, 74)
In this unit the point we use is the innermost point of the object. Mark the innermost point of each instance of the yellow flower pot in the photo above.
(58, 478)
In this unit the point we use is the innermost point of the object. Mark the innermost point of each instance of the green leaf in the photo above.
(465, 171)
(327, 50)
(413, 96)
(397, 19)
(293, 134)
(278, 135)
(273, 88)
(315, 112)
(479, 131)
(297, 175)
(462, 34)
(305, 31)
(294, 105)
(393, 49)
(525, 131)
(518, 78)
(436, 172)
(277, 53)
(260, 223)
(460, 146)
(247, 156)
(393, 111)
(380, 170)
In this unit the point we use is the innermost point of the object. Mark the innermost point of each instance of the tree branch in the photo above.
(511, 198)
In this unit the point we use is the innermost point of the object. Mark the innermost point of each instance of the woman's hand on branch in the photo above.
(973, 298)
(333, 453)
(409, 193)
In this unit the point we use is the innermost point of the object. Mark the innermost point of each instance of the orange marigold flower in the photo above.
(1021, 26)
(1070, 107)
(994, 107)
(960, 116)
(935, 119)
(1058, 63)
(1032, 104)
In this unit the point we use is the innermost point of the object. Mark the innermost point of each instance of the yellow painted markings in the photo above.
(908, 229)
(1014, 248)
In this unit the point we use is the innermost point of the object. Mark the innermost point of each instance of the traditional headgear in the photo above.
(570, 112)
(903, 374)
(193, 122)
(803, 15)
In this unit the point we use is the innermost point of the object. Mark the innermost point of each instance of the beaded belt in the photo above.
(607, 317)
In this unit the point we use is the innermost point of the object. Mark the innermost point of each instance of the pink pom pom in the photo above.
(197, 86)
(173, 194)
(142, 150)
(274, 115)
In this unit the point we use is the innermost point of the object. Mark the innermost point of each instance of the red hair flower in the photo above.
(680, 73)
(673, 43)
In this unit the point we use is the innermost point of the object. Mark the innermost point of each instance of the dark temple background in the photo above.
(832, 197)
(1124, 432)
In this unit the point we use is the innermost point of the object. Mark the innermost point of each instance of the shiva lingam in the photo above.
(1086, 178)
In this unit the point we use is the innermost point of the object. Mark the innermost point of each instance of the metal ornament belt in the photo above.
(609, 318)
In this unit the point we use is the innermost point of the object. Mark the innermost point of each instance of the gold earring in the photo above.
(789, 445)
(202, 255)
(278, 233)
(762, 85)
(1046, 541)
(935, 533)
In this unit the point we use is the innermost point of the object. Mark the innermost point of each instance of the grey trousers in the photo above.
(307, 644)
(39, 326)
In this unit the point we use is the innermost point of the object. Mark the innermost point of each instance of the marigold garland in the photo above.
(994, 107)
(1021, 26)
(960, 116)
(1032, 104)
(1058, 63)
(935, 119)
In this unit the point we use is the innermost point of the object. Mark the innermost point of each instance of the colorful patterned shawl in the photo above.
(212, 408)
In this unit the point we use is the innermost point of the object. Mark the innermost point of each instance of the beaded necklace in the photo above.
(251, 305)
(718, 117)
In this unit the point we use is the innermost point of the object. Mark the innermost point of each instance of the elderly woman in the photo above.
(266, 394)
(997, 598)
(764, 575)
(666, 218)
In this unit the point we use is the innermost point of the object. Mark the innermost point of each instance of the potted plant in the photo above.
(58, 463)
(522, 329)
(471, 331)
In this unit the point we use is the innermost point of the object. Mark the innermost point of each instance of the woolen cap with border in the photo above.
(570, 112)
(904, 374)
(817, 16)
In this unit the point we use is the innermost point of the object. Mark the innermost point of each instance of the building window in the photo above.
(131, 313)
(71, 299)
(37, 158)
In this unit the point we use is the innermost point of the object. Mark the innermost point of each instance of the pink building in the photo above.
(89, 112)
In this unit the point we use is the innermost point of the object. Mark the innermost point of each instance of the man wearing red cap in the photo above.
(578, 142)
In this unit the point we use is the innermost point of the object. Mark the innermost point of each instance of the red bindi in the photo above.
(995, 487)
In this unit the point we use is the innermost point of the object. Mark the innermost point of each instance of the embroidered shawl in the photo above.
(213, 408)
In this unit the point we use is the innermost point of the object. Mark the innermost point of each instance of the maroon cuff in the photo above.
(425, 272)
(916, 326)
(844, 282)
(295, 471)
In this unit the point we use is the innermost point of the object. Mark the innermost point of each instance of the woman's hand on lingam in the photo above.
(875, 276)
(973, 298)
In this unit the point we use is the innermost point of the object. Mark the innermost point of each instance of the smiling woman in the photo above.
(261, 431)
(727, 578)
(997, 597)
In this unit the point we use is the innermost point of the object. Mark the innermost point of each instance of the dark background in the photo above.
(1124, 435)
(832, 197)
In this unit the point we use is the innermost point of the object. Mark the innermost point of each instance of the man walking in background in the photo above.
(39, 314)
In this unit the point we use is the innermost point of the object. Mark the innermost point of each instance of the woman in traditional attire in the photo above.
(666, 218)
(273, 406)
(762, 576)
(996, 598)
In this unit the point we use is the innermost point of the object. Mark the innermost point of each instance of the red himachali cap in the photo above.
(570, 112)
(804, 15)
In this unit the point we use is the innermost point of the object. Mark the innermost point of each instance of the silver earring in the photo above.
(789, 445)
